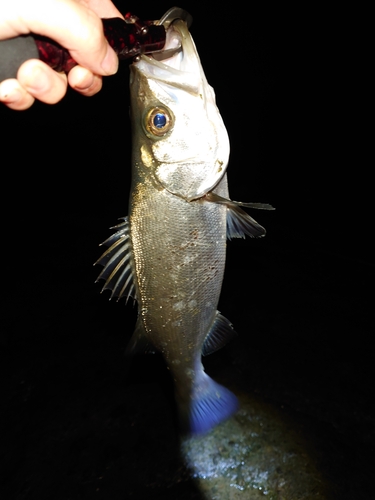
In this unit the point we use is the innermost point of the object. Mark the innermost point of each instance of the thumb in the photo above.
(68, 22)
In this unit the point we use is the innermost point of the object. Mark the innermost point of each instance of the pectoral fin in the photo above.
(239, 223)
(221, 332)
(118, 263)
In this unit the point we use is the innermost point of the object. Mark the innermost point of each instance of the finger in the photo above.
(41, 81)
(14, 96)
(104, 8)
(71, 23)
(83, 81)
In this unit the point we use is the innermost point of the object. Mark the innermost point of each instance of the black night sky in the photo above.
(301, 298)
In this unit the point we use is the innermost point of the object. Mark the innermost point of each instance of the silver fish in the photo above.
(169, 253)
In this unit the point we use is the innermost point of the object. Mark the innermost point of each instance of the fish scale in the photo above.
(177, 287)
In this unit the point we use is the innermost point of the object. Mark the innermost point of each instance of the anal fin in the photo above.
(220, 333)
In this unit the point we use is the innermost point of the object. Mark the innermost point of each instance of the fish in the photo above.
(169, 253)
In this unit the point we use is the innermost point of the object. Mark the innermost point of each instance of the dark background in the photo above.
(292, 95)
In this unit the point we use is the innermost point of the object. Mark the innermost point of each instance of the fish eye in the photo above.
(159, 121)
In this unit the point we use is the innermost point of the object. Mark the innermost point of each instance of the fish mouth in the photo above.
(173, 42)
(175, 13)
(178, 62)
(173, 46)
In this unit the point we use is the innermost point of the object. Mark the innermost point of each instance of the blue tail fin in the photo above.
(210, 405)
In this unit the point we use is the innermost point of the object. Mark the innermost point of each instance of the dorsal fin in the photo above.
(118, 263)
(139, 343)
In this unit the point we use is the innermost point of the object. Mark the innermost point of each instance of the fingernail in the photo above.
(110, 61)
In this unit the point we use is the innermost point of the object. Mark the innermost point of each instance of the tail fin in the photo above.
(210, 404)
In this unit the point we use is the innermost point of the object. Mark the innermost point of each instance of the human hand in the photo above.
(74, 24)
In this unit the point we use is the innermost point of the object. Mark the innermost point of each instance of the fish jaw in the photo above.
(191, 157)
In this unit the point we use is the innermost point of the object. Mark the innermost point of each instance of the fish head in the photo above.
(178, 133)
